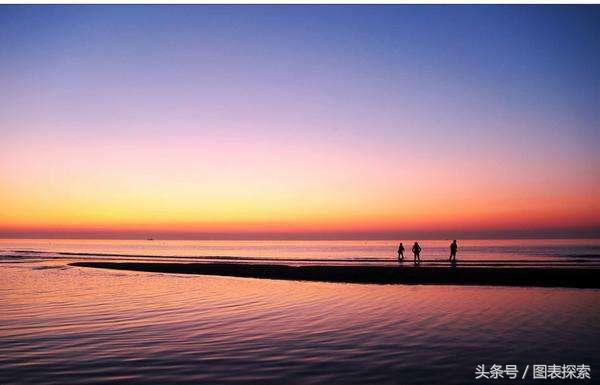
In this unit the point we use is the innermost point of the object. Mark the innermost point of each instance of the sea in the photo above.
(61, 324)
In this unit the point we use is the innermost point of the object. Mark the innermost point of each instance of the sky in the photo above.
(299, 121)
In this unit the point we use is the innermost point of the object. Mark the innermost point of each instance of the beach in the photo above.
(97, 325)
(491, 276)
(272, 312)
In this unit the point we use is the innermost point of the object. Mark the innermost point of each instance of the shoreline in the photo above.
(487, 276)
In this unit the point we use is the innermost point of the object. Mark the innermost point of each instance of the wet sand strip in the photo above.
(496, 276)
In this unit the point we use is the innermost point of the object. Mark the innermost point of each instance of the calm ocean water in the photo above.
(378, 252)
(62, 324)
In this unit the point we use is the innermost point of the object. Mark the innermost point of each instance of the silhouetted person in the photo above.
(400, 252)
(416, 249)
(453, 249)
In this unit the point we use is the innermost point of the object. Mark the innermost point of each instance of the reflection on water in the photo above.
(61, 324)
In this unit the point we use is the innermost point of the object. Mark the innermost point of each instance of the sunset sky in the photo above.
(208, 121)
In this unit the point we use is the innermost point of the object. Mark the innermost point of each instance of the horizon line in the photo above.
(550, 233)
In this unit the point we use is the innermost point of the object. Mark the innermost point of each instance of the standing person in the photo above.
(400, 252)
(416, 249)
(453, 249)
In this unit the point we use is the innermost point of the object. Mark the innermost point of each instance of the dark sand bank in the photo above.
(497, 276)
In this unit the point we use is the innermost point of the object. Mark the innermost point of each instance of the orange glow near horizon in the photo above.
(166, 190)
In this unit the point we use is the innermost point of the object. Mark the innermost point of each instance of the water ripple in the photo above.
(94, 326)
